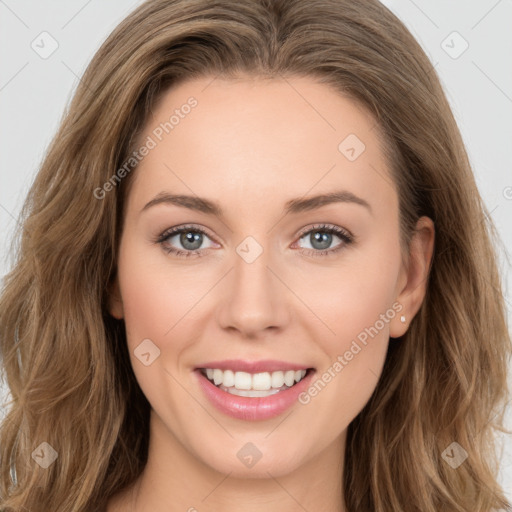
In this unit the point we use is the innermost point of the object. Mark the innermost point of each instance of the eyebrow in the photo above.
(292, 206)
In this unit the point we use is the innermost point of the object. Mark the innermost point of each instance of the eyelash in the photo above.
(345, 236)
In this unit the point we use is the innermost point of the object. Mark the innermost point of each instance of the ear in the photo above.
(115, 303)
(413, 279)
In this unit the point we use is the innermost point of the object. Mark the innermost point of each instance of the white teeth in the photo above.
(217, 377)
(250, 392)
(265, 383)
(277, 379)
(289, 378)
(243, 380)
(261, 381)
(228, 379)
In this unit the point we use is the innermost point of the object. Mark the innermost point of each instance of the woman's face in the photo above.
(261, 271)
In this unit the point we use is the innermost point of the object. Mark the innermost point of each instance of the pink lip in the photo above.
(252, 409)
(239, 365)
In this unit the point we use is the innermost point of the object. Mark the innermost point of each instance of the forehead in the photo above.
(235, 139)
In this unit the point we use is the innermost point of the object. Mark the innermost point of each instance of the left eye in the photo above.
(320, 239)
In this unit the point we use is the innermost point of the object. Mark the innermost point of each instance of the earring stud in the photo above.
(402, 319)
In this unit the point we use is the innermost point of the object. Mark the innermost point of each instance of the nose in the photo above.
(254, 299)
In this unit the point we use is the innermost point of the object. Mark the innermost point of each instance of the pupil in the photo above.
(321, 237)
(191, 237)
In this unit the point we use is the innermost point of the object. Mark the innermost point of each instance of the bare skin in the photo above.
(251, 145)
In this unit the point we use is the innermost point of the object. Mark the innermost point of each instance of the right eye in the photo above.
(190, 238)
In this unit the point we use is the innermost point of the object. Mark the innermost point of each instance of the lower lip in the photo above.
(253, 408)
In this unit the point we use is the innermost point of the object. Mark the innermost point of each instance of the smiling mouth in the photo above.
(260, 384)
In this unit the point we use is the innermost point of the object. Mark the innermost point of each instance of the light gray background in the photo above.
(478, 83)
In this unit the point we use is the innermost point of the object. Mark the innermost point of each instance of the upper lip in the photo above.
(266, 365)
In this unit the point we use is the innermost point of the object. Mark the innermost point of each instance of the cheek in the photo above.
(157, 302)
(353, 297)
(357, 307)
(147, 312)
(360, 322)
(156, 293)
(354, 362)
(154, 299)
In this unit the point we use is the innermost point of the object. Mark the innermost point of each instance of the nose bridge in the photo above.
(254, 299)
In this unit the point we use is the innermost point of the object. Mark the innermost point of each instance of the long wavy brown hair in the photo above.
(65, 358)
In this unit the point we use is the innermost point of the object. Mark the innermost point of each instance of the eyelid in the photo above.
(177, 229)
(327, 227)
(174, 230)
